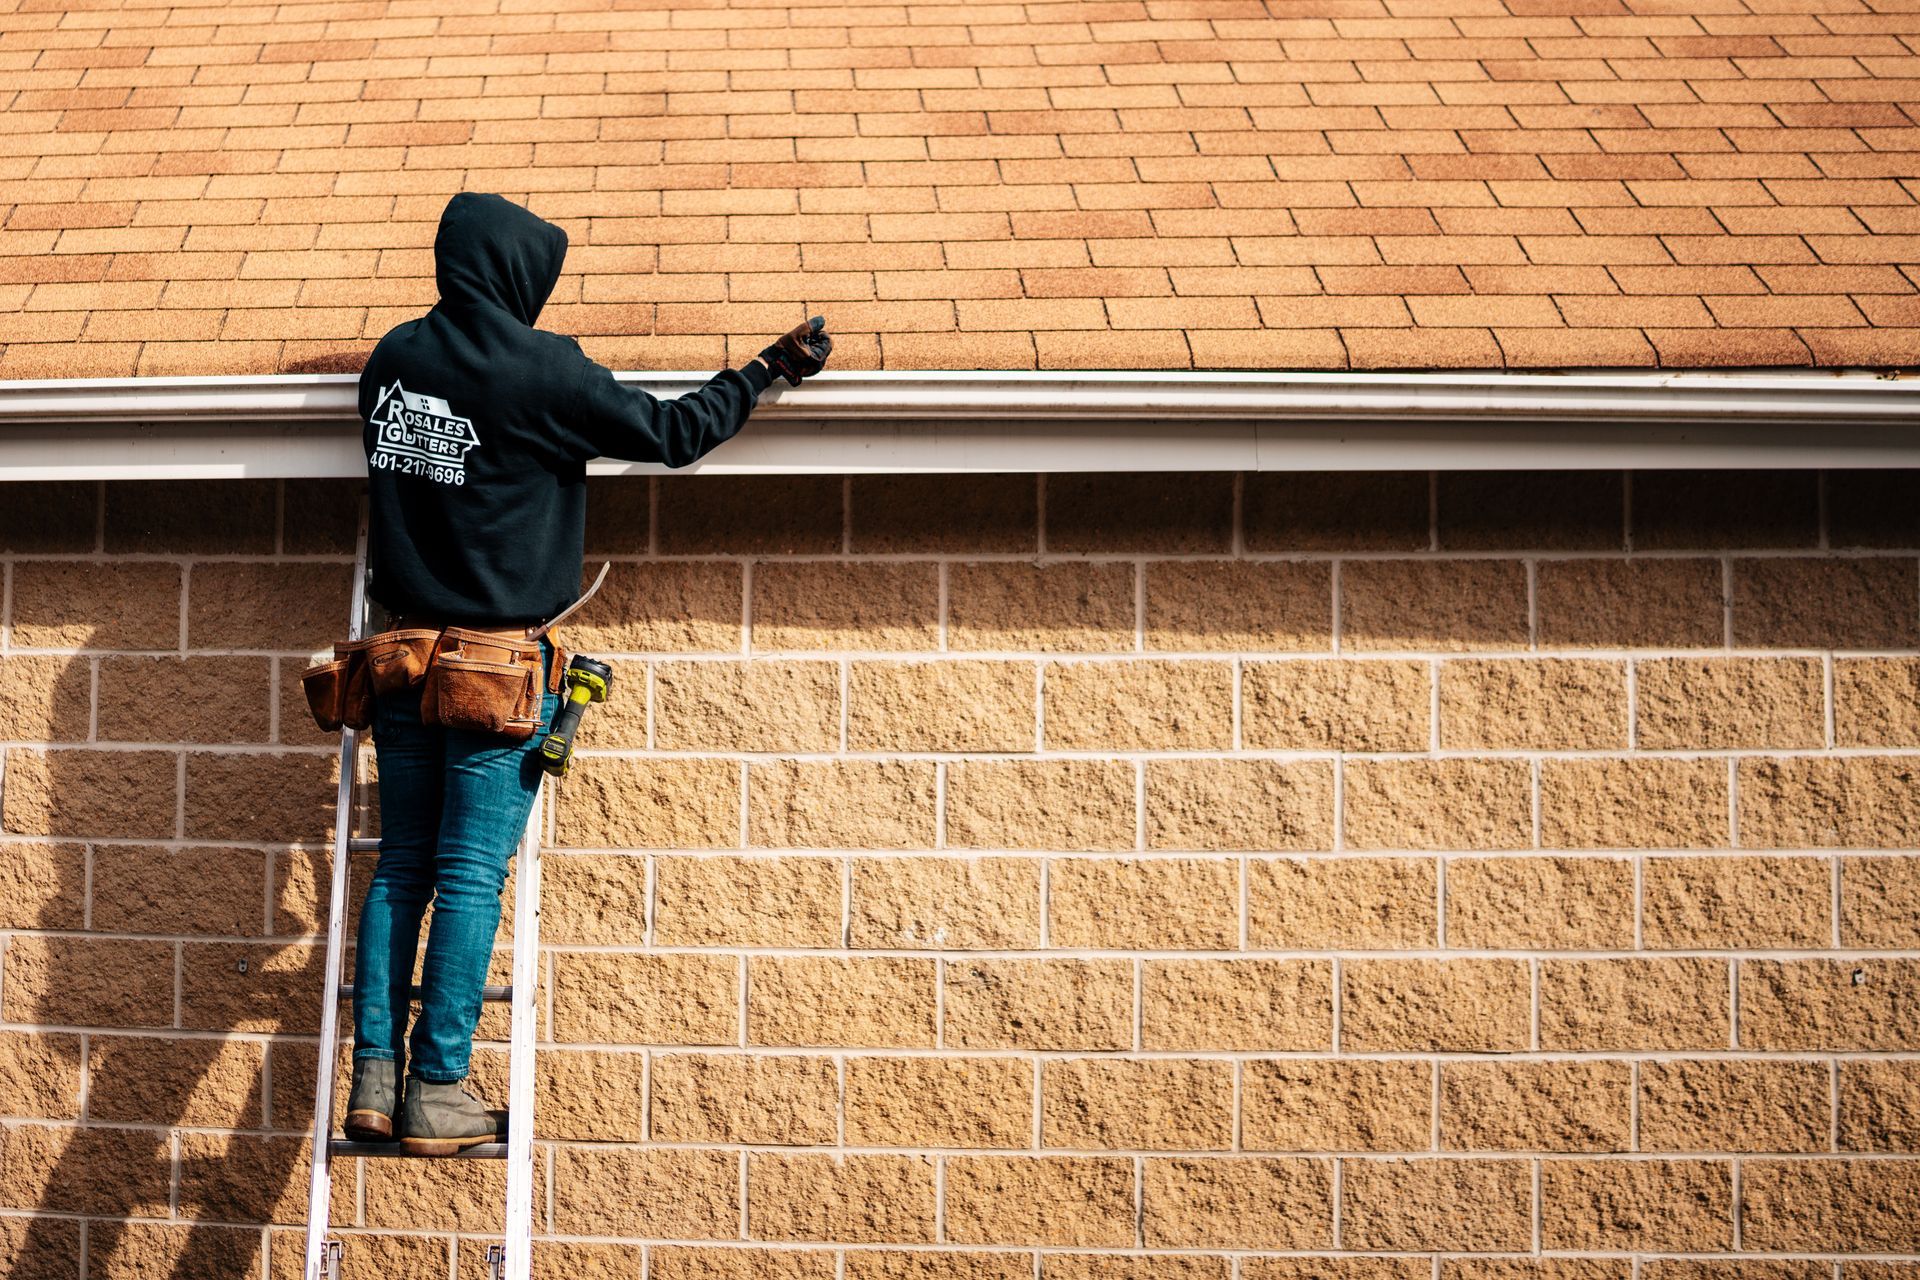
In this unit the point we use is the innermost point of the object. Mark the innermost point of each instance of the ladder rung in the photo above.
(393, 1151)
(363, 844)
(492, 995)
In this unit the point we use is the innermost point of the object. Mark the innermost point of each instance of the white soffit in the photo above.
(307, 425)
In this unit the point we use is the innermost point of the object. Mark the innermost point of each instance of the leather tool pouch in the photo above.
(482, 681)
(468, 679)
(338, 690)
(397, 660)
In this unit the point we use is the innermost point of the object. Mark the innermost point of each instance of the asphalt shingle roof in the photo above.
(1219, 184)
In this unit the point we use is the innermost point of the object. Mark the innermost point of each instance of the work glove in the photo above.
(800, 354)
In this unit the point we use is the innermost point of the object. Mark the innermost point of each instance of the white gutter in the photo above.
(307, 424)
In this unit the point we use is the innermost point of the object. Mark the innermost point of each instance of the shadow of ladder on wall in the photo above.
(511, 1261)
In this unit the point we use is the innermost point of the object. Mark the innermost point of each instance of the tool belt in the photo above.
(485, 679)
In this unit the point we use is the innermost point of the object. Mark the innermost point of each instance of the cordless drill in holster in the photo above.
(586, 681)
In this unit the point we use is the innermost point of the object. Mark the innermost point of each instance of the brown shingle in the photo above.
(1192, 183)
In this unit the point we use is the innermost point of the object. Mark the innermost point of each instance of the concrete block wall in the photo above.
(1457, 877)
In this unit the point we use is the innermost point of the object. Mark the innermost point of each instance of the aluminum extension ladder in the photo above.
(511, 1262)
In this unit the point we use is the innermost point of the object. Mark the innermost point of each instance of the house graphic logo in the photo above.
(421, 435)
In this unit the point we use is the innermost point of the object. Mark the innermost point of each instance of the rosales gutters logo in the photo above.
(421, 435)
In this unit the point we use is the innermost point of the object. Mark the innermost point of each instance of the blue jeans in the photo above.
(453, 806)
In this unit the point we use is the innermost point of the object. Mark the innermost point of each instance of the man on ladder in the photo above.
(477, 429)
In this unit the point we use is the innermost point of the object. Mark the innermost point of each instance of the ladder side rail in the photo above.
(520, 1082)
(320, 1188)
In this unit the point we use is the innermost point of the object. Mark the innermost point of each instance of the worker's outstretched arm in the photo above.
(628, 423)
(615, 421)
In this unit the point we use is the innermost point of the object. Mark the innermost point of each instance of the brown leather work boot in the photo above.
(373, 1103)
(444, 1119)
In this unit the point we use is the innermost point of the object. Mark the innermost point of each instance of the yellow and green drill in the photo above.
(587, 681)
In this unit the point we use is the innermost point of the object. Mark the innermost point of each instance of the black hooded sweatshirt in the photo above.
(478, 428)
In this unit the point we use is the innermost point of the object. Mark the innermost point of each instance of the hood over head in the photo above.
(492, 251)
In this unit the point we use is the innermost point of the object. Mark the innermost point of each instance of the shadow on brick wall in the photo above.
(188, 1140)
(173, 997)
